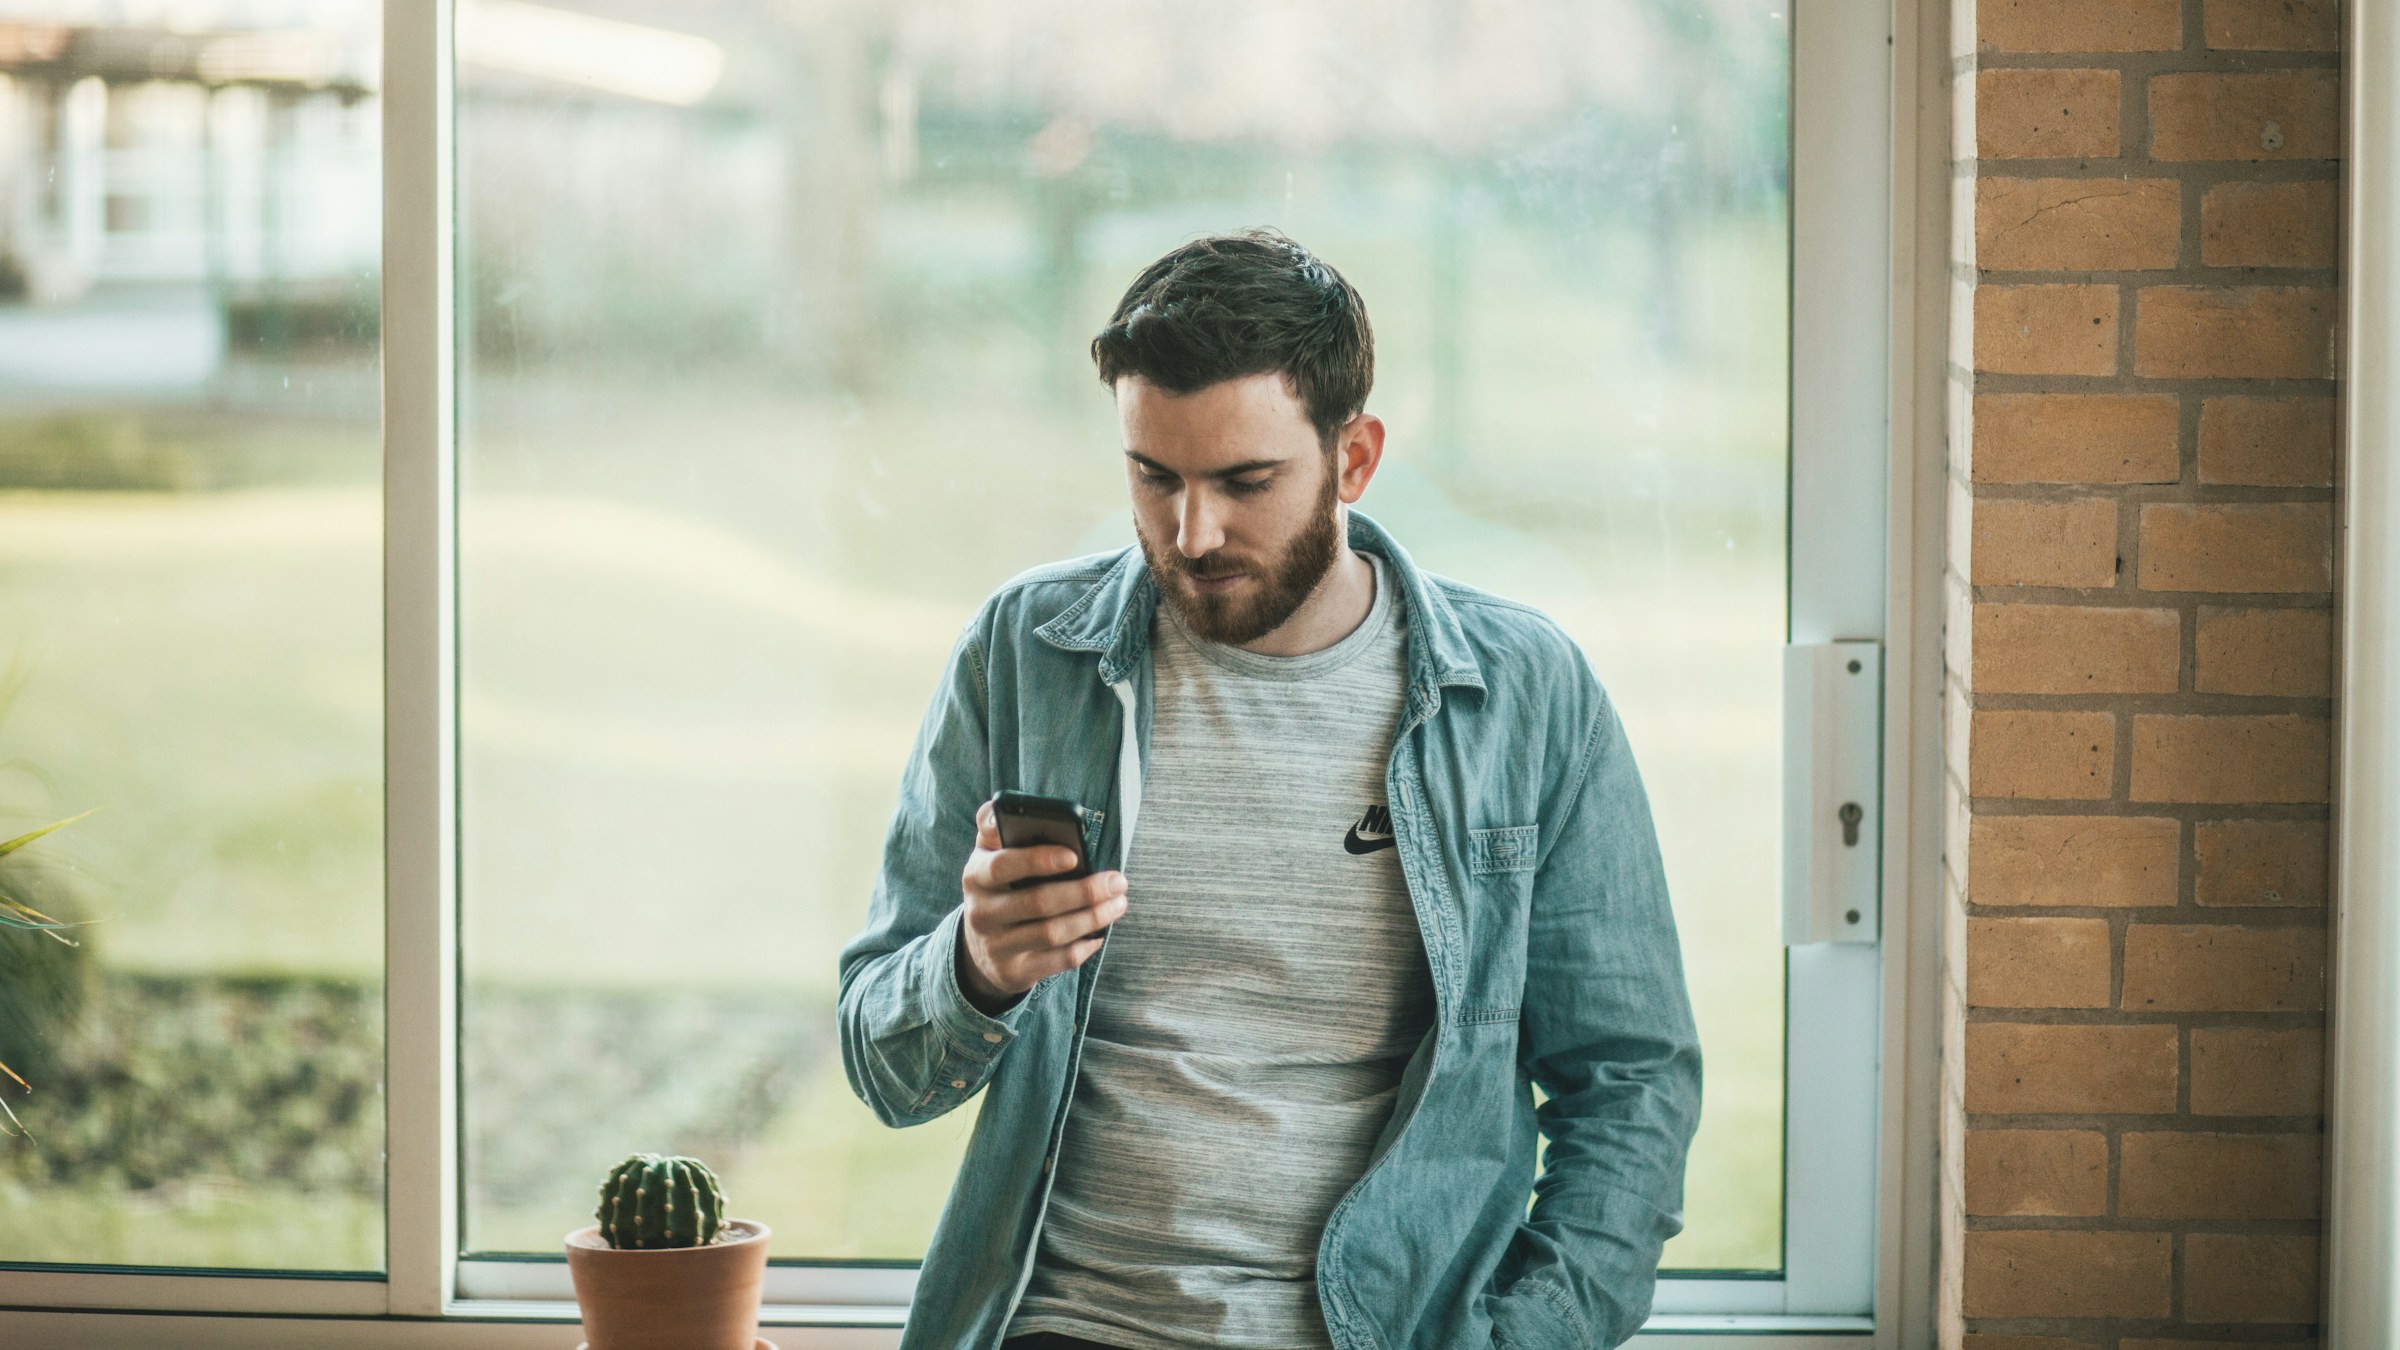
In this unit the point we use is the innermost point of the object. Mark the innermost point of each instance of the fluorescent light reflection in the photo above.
(631, 59)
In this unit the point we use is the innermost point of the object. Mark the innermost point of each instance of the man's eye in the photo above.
(1245, 489)
(1158, 480)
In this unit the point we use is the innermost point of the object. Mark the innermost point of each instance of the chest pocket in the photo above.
(1511, 848)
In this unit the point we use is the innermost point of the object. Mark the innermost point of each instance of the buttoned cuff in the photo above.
(973, 1033)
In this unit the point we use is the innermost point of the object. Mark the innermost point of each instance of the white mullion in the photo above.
(2361, 1232)
(420, 661)
(1840, 439)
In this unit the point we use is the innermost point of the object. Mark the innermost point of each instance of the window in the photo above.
(190, 635)
(731, 354)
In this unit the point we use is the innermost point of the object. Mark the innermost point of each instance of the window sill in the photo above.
(502, 1325)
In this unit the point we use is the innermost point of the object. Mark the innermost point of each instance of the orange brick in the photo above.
(2287, 653)
(2276, 115)
(2217, 967)
(2075, 438)
(2020, 1068)
(2037, 963)
(2028, 543)
(2272, 442)
(2279, 547)
(2235, 332)
(2189, 1175)
(2046, 114)
(2279, 758)
(2272, 25)
(2076, 649)
(2247, 1071)
(2269, 225)
(2073, 860)
(2048, 1172)
(2078, 26)
(2261, 862)
(2051, 756)
(2236, 1277)
(2046, 330)
(2086, 224)
(2062, 1273)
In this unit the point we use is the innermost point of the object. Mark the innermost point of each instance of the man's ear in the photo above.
(1357, 450)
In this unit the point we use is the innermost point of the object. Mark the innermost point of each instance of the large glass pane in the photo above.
(775, 367)
(191, 633)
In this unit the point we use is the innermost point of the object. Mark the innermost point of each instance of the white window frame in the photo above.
(1865, 505)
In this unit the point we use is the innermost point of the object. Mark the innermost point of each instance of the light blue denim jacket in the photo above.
(1526, 842)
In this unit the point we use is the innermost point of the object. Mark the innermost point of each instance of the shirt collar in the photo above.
(1113, 618)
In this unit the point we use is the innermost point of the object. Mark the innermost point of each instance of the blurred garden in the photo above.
(761, 392)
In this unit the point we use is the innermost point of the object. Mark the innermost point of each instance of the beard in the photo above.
(1279, 586)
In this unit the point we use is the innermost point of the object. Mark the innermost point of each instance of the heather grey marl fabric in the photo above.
(1254, 1007)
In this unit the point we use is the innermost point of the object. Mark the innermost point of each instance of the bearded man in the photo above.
(1374, 863)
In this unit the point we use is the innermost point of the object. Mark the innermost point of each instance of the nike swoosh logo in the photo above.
(1353, 844)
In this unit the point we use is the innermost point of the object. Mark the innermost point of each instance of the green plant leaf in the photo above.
(10, 846)
(35, 921)
(12, 1116)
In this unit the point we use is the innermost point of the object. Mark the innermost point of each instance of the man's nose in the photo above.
(1199, 531)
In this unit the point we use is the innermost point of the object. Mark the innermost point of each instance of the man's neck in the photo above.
(1333, 611)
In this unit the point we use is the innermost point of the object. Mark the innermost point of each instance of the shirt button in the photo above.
(958, 1082)
(992, 1036)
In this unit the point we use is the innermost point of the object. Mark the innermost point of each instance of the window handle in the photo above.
(1832, 771)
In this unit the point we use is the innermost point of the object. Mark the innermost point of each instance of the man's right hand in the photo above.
(1012, 940)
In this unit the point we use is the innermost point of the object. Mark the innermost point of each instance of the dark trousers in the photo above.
(1051, 1340)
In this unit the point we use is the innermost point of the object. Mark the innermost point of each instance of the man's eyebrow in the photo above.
(1232, 471)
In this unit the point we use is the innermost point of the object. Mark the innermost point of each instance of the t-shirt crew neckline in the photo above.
(1307, 665)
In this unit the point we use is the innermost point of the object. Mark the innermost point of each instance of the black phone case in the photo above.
(1027, 820)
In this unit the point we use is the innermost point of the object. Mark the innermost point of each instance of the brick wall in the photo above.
(2139, 638)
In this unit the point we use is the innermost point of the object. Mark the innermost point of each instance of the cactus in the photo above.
(650, 1201)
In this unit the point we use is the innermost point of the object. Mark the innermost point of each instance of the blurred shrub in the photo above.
(278, 1083)
(104, 450)
(678, 1071)
(43, 988)
(263, 1082)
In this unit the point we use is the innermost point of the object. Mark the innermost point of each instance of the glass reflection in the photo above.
(190, 630)
(775, 367)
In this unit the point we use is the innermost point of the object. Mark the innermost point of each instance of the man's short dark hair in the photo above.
(1232, 305)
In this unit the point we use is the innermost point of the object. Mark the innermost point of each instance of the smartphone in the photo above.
(1029, 820)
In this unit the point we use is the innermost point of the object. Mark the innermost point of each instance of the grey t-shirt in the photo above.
(1255, 1008)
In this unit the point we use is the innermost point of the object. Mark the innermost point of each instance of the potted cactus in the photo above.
(664, 1269)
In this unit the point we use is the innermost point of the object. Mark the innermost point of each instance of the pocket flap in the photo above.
(1507, 849)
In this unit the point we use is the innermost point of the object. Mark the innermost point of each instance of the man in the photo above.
(1375, 861)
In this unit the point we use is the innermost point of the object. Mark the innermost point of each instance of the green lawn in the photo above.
(700, 619)
(222, 712)
(194, 1226)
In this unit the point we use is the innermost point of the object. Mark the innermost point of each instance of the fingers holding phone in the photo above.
(1033, 908)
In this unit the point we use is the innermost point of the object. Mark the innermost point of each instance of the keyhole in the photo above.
(1850, 815)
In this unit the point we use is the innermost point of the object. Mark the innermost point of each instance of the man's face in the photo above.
(1233, 501)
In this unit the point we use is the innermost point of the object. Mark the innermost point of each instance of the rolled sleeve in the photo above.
(974, 1033)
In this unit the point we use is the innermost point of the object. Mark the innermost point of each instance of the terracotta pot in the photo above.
(675, 1298)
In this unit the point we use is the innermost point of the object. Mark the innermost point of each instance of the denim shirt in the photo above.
(1526, 841)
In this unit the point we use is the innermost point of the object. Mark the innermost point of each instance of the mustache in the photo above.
(1191, 568)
